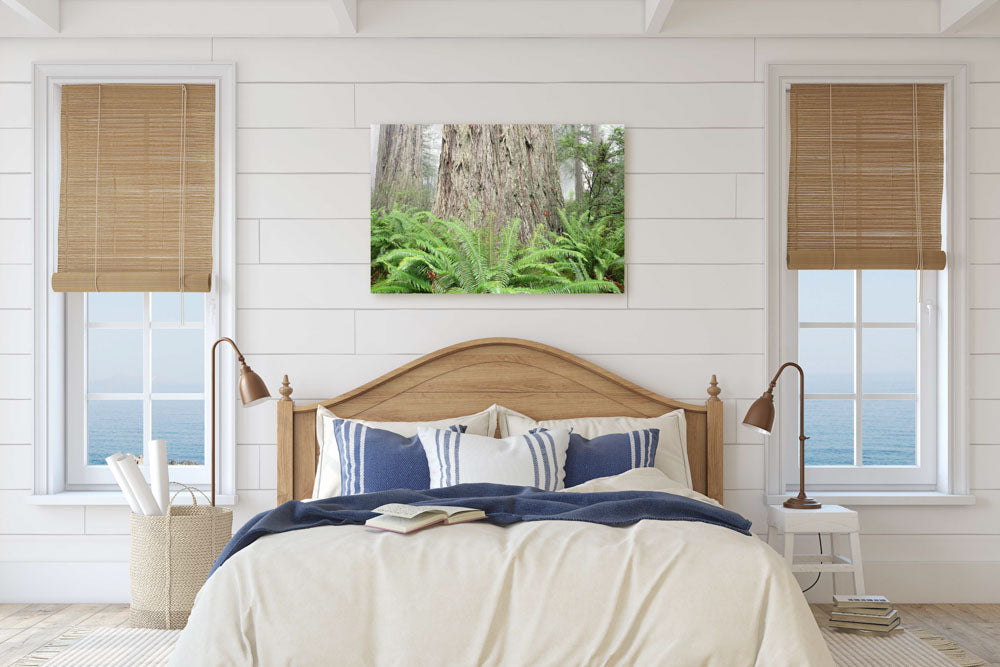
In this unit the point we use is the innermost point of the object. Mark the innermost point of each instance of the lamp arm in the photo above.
(239, 355)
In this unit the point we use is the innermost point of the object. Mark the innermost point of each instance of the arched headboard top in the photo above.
(541, 381)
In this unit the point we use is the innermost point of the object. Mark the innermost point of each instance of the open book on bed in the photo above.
(402, 518)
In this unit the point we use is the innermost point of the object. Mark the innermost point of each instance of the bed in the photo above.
(544, 592)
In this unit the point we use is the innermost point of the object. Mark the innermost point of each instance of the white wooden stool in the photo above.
(832, 519)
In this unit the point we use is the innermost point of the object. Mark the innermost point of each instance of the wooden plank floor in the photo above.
(974, 627)
(26, 627)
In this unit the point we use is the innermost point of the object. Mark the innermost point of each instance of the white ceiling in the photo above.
(425, 18)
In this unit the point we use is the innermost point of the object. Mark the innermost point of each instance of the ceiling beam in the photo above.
(958, 14)
(656, 15)
(347, 14)
(44, 13)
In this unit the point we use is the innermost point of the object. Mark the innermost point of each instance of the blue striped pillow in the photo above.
(535, 459)
(610, 454)
(372, 459)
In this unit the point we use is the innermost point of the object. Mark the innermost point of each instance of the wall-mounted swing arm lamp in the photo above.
(252, 391)
(760, 417)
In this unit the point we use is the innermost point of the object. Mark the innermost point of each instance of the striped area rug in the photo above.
(914, 648)
(101, 647)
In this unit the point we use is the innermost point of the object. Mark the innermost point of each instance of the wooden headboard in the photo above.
(540, 381)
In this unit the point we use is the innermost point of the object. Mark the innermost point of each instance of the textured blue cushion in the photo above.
(372, 459)
(610, 454)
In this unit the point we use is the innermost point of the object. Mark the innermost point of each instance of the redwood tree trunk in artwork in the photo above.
(399, 168)
(504, 172)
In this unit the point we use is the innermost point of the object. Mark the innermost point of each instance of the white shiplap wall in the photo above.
(694, 111)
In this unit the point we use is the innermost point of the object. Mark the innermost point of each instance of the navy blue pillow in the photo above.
(610, 454)
(372, 459)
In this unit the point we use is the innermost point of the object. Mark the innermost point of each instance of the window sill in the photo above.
(112, 498)
(850, 498)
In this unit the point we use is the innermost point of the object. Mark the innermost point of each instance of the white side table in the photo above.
(832, 519)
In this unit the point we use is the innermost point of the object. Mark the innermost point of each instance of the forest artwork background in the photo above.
(475, 208)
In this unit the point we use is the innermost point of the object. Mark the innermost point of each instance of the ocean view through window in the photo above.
(858, 341)
(145, 374)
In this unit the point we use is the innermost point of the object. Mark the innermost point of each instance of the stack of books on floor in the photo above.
(864, 613)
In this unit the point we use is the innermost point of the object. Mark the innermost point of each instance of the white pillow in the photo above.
(327, 482)
(639, 479)
(536, 459)
(671, 452)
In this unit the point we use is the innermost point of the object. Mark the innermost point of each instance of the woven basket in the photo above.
(170, 559)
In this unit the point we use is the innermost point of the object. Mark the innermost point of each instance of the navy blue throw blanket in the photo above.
(502, 503)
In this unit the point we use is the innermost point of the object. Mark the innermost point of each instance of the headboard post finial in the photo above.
(285, 390)
(713, 389)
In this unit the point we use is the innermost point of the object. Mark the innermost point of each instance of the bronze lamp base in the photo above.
(802, 503)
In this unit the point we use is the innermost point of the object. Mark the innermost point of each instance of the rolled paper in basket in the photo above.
(136, 482)
(158, 474)
(122, 483)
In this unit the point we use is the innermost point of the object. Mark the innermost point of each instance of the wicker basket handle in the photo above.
(191, 490)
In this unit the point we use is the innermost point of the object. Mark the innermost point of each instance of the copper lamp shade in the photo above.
(252, 388)
(760, 417)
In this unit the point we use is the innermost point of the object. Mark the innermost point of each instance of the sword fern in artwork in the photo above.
(417, 252)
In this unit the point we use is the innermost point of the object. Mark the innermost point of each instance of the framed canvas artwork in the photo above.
(501, 209)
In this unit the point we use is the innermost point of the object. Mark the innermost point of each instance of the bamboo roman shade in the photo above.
(137, 193)
(866, 176)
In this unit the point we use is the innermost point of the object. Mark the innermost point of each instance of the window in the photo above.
(883, 349)
(861, 338)
(136, 372)
(115, 369)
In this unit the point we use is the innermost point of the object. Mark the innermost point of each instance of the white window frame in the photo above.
(80, 475)
(947, 306)
(923, 475)
(51, 482)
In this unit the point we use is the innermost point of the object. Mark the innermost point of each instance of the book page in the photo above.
(406, 511)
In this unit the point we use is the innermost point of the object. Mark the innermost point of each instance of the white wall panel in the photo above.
(638, 105)
(15, 104)
(294, 105)
(577, 331)
(16, 425)
(984, 427)
(984, 464)
(462, 60)
(680, 196)
(653, 241)
(686, 374)
(275, 151)
(17, 470)
(983, 55)
(15, 286)
(16, 376)
(696, 286)
(17, 55)
(315, 241)
(15, 196)
(301, 331)
(17, 328)
(984, 241)
(16, 242)
(694, 151)
(16, 516)
(301, 195)
(984, 331)
(984, 286)
(15, 150)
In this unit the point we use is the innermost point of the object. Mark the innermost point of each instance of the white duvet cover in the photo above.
(538, 593)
